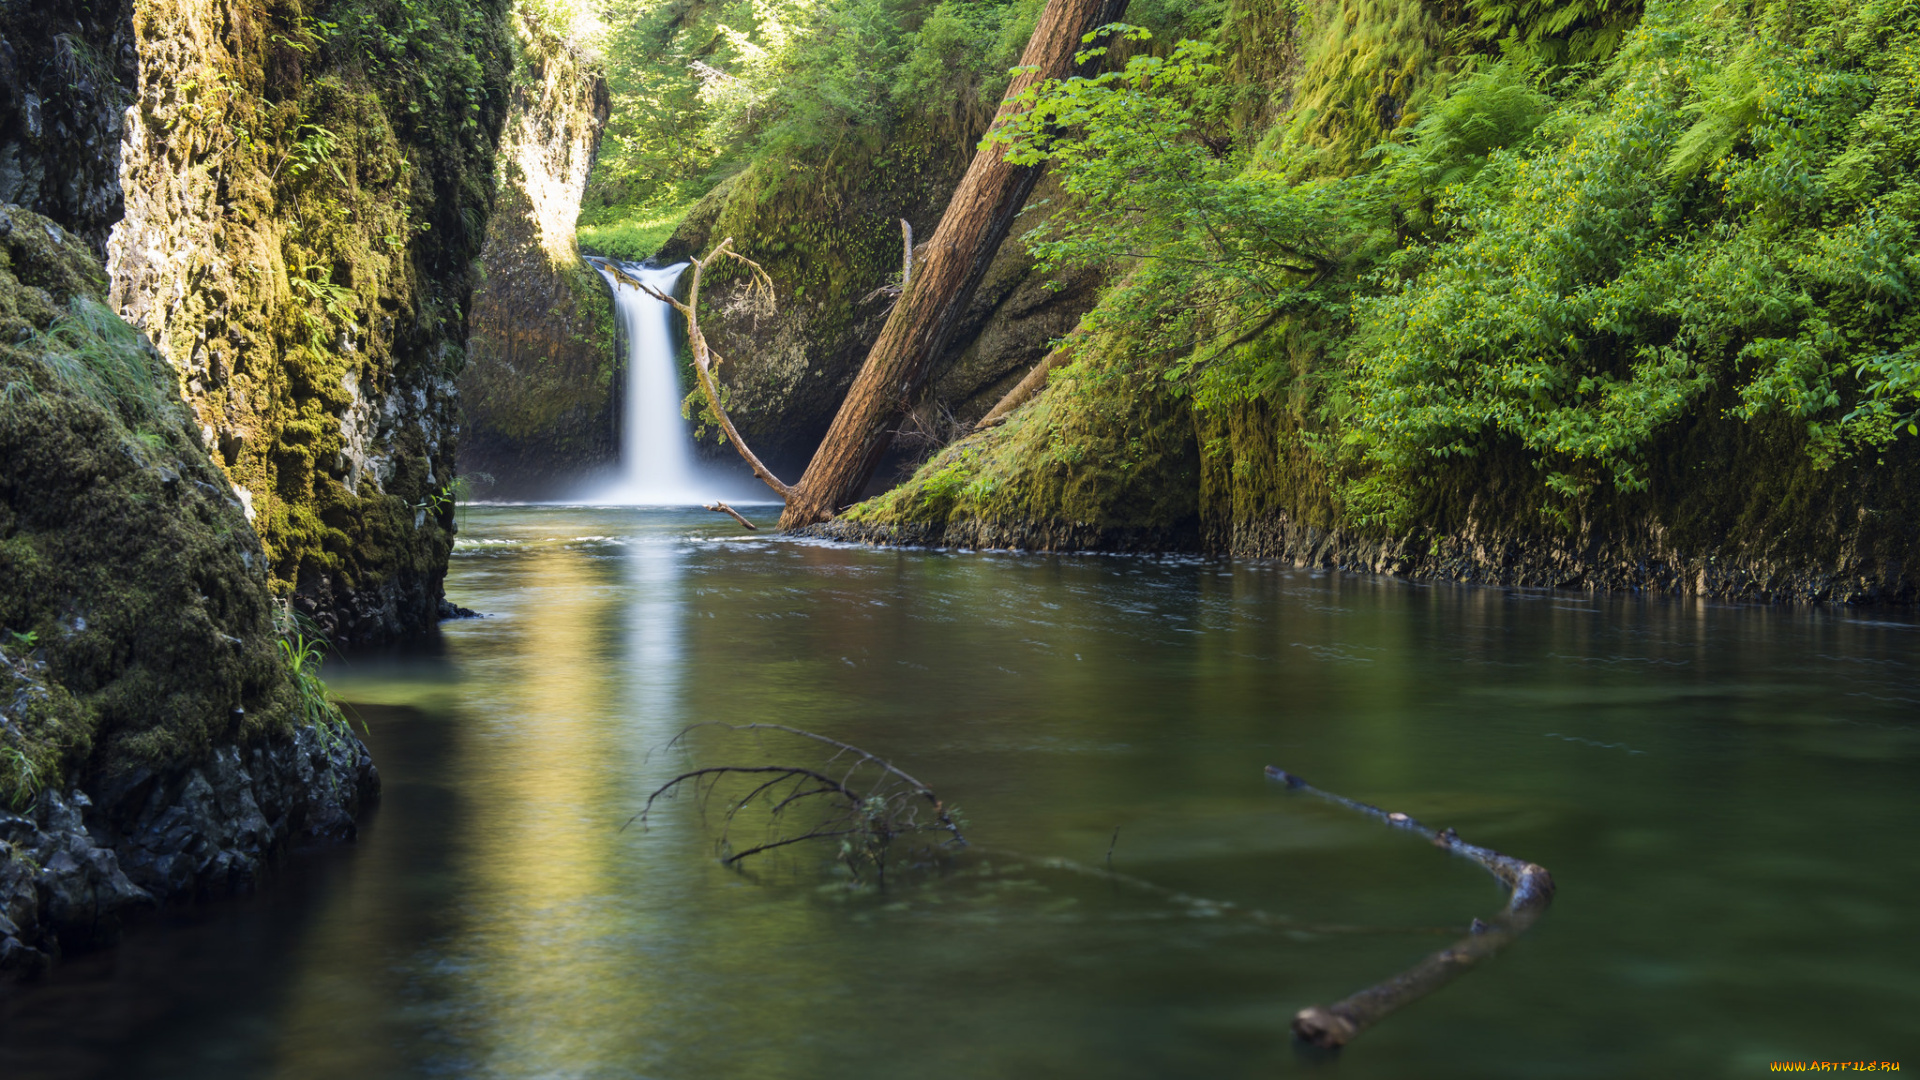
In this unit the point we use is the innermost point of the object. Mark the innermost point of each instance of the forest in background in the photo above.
(1423, 228)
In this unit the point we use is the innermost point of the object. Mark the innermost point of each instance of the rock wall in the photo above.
(67, 70)
(305, 192)
(285, 202)
(152, 741)
(540, 395)
(1733, 510)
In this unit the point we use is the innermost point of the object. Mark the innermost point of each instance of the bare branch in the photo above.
(1532, 890)
(759, 287)
(892, 290)
(919, 788)
(716, 770)
(783, 842)
(906, 254)
(723, 508)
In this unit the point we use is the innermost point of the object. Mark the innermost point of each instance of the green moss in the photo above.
(1105, 457)
(135, 624)
(354, 158)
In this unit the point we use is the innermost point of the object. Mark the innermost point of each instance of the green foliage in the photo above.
(1568, 260)
(304, 656)
(432, 55)
(632, 238)
(1369, 69)
(1556, 31)
(19, 779)
(832, 92)
(313, 146)
(1687, 224)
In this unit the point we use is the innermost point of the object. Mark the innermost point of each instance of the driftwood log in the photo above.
(1335, 1025)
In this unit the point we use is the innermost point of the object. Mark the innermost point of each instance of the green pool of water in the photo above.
(1727, 797)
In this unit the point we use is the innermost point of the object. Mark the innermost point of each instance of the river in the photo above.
(1726, 796)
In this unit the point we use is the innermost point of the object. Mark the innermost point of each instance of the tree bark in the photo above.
(976, 221)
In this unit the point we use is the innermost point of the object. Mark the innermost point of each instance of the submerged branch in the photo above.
(844, 748)
(1532, 890)
(868, 807)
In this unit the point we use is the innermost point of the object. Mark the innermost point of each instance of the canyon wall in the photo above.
(541, 392)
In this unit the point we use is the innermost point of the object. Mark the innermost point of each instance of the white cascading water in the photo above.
(657, 462)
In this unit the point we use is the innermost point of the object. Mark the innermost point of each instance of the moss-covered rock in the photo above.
(1105, 459)
(306, 191)
(138, 642)
(1104, 462)
(540, 396)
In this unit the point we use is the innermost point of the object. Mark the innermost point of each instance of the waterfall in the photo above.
(657, 462)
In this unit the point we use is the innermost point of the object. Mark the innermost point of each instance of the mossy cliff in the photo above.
(540, 393)
(152, 741)
(306, 188)
(1589, 297)
(236, 253)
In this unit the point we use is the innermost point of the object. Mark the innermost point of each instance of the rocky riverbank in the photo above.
(79, 867)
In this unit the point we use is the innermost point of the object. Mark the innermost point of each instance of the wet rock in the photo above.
(541, 391)
(78, 868)
(451, 610)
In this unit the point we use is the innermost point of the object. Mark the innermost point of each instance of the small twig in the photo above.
(783, 842)
(1532, 890)
(1110, 843)
(723, 508)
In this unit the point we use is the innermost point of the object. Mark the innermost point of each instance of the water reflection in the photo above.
(1724, 794)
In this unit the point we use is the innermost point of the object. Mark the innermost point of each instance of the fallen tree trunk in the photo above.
(976, 221)
(1336, 1025)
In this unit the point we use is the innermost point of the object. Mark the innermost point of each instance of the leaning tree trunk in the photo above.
(977, 220)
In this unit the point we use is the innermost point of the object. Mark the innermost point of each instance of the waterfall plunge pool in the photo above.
(1726, 796)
